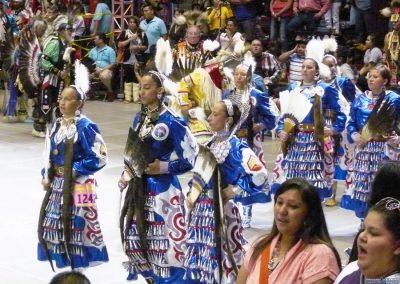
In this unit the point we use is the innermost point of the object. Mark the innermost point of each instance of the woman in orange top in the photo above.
(298, 249)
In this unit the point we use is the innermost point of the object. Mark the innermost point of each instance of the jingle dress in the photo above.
(305, 156)
(261, 112)
(368, 157)
(164, 202)
(238, 166)
(344, 154)
(89, 156)
(257, 108)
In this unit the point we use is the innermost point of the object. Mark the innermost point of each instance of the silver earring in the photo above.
(159, 96)
(77, 112)
(227, 127)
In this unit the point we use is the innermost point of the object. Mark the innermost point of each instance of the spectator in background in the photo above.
(230, 37)
(332, 17)
(281, 13)
(78, 23)
(378, 247)
(102, 20)
(369, 20)
(105, 59)
(131, 45)
(218, 15)
(373, 55)
(344, 59)
(70, 277)
(295, 57)
(245, 12)
(153, 27)
(267, 66)
(178, 28)
(307, 13)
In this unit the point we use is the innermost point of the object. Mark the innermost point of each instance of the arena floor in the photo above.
(21, 195)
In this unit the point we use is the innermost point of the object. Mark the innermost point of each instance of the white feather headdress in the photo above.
(315, 50)
(164, 58)
(82, 82)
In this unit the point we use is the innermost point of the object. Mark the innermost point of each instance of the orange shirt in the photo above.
(301, 265)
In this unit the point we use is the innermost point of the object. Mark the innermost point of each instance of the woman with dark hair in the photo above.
(372, 127)
(373, 55)
(152, 219)
(215, 235)
(310, 116)
(386, 184)
(259, 114)
(69, 231)
(378, 247)
(299, 248)
(231, 36)
(132, 43)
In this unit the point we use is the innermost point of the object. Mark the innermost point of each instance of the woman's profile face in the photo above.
(148, 90)
(240, 77)
(218, 117)
(377, 251)
(290, 212)
(69, 102)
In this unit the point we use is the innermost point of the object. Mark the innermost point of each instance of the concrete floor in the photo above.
(20, 165)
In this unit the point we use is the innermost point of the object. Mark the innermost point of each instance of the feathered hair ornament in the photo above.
(393, 11)
(29, 56)
(330, 44)
(248, 63)
(82, 83)
(179, 20)
(196, 18)
(210, 45)
(315, 50)
(61, 19)
(164, 58)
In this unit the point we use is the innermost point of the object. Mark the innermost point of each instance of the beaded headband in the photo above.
(390, 203)
(229, 107)
(157, 75)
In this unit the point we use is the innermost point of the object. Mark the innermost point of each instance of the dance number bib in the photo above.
(84, 195)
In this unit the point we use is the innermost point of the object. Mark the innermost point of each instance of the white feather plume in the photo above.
(163, 58)
(296, 105)
(170, 86)
(330, 44)
(249, 61)
(82, 83)
(239, 48)
(210, 45)
(386, 12)
(67, 54)
(315, 49)
(180, 20)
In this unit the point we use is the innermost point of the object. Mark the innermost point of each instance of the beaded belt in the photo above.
(59, 170)
(305, 127)
(242, 133)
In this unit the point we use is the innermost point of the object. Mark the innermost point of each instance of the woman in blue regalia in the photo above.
(374, 116)
(343, 154)
(307, 145)
(215, 239)
(155, 231)
(69, 232)
(258, 115)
